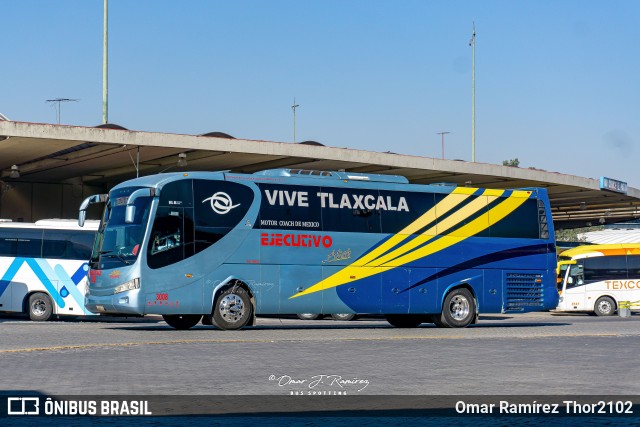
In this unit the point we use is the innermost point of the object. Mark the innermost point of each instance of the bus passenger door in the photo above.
(574, 294)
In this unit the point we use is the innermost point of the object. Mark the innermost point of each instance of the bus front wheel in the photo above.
(232, 308)
(605, 306)
(40, 307)
(182, 321)
(458, 310)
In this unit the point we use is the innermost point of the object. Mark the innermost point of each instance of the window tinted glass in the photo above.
(522, 222)
(289, 207)
(21, 242)
(605, 268)
(413, 207)
(350, 210)
(67, 244)
(633, 264)
(167, 241)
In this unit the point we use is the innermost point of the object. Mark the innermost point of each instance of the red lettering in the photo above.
(295, 240)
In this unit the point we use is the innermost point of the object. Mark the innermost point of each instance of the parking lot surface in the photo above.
(535, 353)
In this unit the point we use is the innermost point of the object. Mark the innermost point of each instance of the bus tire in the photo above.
(345, 317)
(182, 321)
(309, 316)
(458, 310)
(404, 320)
(40, 307)
(232, 308)
(605, 306)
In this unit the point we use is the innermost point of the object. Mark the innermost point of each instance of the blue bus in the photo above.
(224, 247)
(43, 267)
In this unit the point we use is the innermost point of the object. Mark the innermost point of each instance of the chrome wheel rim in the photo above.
(459, 307)
(231, 308)
(38, 307)
(605, 307)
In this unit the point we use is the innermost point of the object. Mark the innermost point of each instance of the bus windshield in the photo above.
(118, 243)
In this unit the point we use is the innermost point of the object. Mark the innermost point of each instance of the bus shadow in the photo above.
(301, 327)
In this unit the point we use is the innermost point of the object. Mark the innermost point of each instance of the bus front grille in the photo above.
(523, 290)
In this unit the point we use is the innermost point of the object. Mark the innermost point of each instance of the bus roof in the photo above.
(601, 250)
(53, 224)
(306, 177)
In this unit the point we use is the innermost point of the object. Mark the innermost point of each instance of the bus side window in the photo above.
(597, 269)
(54, 244)
(633, 264)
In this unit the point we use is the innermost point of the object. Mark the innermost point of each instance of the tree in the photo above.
(571, 234)
(513, 162)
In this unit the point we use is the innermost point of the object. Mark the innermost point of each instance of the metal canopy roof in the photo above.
(105, 156)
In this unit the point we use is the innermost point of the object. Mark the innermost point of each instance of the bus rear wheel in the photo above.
(182, 321)
(404, 320)
(458, 310)
(232, 308)
(308, 316)
(605, 306)
(345, 317)
(40, 307)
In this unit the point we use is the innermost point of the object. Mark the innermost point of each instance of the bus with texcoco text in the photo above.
(597, 278)
(43, 267)
(223, 247)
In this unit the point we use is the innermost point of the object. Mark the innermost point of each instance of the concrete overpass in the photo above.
(60, 165)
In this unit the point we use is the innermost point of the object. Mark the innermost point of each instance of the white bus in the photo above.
(43, 267)
(595, 278)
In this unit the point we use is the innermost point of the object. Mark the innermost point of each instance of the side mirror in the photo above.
(129, 214)
(96, 198)
(570, 281)
(82, 216)
(130, 210)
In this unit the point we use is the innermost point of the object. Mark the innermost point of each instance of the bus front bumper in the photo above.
(121, 303)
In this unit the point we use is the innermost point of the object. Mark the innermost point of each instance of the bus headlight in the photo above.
(127, 286)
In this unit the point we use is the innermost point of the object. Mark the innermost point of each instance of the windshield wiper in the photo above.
(119, 256)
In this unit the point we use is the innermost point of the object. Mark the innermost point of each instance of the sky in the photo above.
(556, 81)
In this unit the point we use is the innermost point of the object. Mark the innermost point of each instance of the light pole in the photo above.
(105, 68)
(293, 107)
(443, 134)
(472, 43)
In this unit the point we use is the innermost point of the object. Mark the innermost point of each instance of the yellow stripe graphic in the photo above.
(444, 206)
(377, 262)
(439, 229)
